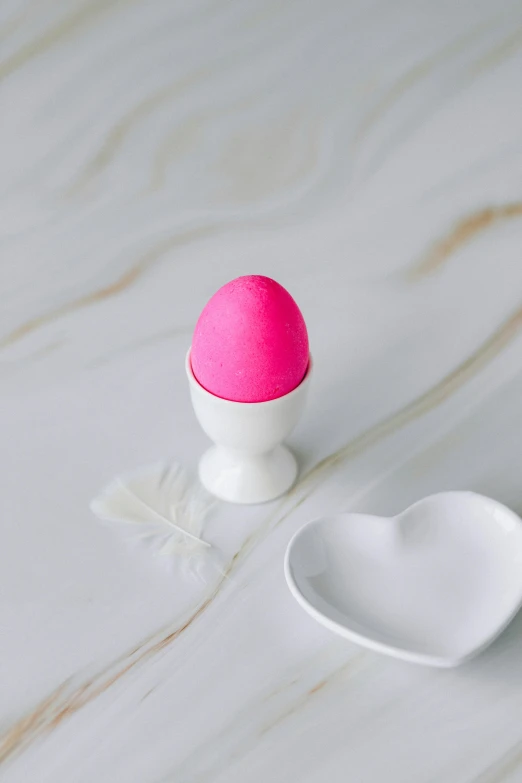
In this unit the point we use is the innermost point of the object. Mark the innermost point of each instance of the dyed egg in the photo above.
(250, 343)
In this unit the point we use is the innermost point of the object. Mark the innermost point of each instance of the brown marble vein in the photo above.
(348, 669)
(68, 699)
(70, 24)
(503, 768)
(452, 382)
(412, 76)
(7, 367)
(500, 52)
(464, 231)
(151, 339)
(118, 286)
(180, 139)
(425, 68)
(295, 703)
(116, 137)
(31, 724)
(14, 22)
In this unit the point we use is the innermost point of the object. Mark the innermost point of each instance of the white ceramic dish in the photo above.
(434, 585)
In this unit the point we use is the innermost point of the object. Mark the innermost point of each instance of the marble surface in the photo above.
(369, 156)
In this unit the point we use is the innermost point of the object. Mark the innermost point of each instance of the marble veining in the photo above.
(369, 156)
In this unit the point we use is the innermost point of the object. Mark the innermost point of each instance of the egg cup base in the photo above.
(255, 479)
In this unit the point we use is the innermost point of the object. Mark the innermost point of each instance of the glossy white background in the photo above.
(366, 154)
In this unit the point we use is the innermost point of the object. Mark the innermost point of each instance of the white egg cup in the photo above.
(248, 463)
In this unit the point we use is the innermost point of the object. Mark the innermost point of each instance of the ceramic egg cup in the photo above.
(248, 463)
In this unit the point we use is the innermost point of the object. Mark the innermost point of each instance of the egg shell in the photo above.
(250, 343)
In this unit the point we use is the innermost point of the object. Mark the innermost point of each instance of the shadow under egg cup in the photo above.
(248, 463)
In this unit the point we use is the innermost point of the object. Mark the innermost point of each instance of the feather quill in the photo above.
(161, 505)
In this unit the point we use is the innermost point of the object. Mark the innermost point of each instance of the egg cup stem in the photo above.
(245, 478)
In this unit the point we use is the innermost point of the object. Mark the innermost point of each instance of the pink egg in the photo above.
(250, 343)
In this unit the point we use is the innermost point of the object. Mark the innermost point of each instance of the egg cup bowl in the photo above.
(248, 463)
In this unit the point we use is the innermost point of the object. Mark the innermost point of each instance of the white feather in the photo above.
(161, 504)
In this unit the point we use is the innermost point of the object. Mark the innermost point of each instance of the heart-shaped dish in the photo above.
(434, 585)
